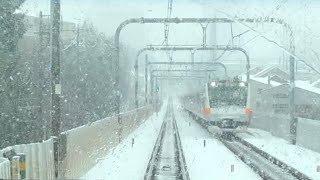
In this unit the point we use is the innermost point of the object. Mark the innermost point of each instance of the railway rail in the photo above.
(167, 160)
(265, 165)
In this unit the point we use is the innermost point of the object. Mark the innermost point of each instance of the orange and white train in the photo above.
(226, 106)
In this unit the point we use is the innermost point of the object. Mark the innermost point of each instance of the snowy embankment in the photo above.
(304, 160)
(127, 161)
(212, 161)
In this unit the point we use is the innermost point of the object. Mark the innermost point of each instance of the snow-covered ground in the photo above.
(213, 161)
(298, 157)
(125, 161)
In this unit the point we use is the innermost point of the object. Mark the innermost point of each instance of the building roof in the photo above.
(316, 83)
(305, 85)
(278, 80)
(264, 80)
(272, 71)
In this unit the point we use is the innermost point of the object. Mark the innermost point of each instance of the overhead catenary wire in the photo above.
(287, 51)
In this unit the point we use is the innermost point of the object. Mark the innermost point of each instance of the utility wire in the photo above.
(269, 40)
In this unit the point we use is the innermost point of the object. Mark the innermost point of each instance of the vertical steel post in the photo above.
(146, 79)
(55, 73)
(136, 72)
(192, 56)
(116, 73)
(151, 88)
(293, 124)
(157, 94)
(204, 34)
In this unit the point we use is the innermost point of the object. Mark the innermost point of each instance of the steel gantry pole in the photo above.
(176, 21)
(293, 120)
(152, 79)
(146, 79)
(185, 48)
(184, 63)
(182, 70)
(179, 63)
(152, 76)
(190, 64)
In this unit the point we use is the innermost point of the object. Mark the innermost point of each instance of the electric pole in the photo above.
(41, 76)
(44, 94)
(55, 66)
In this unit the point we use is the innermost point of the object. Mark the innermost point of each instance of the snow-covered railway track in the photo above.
(267, 166)
(167, 160)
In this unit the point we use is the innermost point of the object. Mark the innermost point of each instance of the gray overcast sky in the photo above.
(107, 15)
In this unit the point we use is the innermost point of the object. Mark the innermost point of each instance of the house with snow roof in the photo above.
(269, 92)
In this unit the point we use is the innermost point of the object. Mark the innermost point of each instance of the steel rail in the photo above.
(167, 160)
(248, 152)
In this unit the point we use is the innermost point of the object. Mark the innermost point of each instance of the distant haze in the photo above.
(107, 15)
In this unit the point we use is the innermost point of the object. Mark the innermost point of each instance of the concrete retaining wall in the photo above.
(308, 131)
(308, 134)
(277, 125)
(87, 144)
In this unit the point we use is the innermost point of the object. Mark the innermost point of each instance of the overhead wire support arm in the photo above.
(184, 48)
(191, 64)
(204, 34)
(170, 20)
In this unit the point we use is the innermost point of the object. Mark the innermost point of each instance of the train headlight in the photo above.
(224, 123)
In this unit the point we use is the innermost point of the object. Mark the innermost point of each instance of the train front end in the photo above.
(228, 104)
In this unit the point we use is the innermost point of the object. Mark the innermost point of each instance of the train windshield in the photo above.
(227, 94)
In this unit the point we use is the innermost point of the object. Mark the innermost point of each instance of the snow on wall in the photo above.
(278, 126)
(39, 159)
(5, 172)
(87, 144)
(308, 134)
